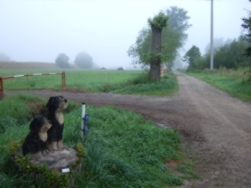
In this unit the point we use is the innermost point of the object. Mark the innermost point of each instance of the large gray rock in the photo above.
(56, 160)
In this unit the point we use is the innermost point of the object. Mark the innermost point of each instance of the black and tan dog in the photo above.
(36, 140)
(55, 106)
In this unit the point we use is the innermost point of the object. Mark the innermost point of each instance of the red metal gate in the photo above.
(37, 74)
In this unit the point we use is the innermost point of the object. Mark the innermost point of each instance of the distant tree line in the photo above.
(83, 60)
(231, 55)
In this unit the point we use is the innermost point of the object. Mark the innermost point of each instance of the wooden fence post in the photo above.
(63, 80)
(1, 88)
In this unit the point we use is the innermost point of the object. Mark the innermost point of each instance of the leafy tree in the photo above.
(178, 21)
(231, 55)
(84, 60)
(157, 23)
(172, 39)
(202, 62)
(247, 25)
(62, 60)
(4, 57)
(171, 42)
(141, 47)
(191, 56)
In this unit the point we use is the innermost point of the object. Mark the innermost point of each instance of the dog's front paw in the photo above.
(53, 146)
(46, 151)
(61, 146)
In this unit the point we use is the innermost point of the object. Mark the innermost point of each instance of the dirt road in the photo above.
(215, 128)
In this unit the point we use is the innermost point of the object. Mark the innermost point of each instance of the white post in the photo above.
(82, 119)
(212, 36)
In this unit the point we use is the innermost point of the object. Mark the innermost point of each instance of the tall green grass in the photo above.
(123, 149)
(144, 85)
(17, 110)
(235, 82)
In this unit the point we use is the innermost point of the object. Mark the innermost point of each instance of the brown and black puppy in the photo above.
(36, 140)
(55, 106)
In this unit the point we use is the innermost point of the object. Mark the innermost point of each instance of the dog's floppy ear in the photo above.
(50, 102)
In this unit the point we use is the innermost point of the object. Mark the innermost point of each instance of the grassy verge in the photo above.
(236, 83)
(123, 150)
(124, 82)
(143, 85)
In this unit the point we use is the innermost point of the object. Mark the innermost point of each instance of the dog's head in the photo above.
(57, 103)
(40, 124)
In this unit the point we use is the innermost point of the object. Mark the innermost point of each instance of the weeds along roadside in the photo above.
(142, 84)
(123, 149)
(235, 82)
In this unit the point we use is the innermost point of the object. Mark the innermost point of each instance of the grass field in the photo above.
(129, 82)
(123, 149)
(235, 82)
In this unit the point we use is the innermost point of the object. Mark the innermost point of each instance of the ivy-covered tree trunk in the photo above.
(156, 50)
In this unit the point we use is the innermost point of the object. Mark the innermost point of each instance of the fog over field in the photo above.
(39, 30)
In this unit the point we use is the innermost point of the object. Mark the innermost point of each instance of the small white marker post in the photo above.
(66, 170)
(82, 120)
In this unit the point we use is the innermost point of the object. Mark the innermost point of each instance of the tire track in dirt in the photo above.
(215, 127)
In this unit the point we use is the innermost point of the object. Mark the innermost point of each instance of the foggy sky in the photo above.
(39, 30)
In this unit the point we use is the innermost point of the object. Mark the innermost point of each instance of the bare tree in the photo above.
(157, 24)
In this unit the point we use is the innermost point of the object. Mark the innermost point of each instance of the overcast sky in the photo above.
(39, 30)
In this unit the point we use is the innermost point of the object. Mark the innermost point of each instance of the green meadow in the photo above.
(88, 80)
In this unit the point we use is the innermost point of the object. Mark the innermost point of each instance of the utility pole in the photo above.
(212, 36)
